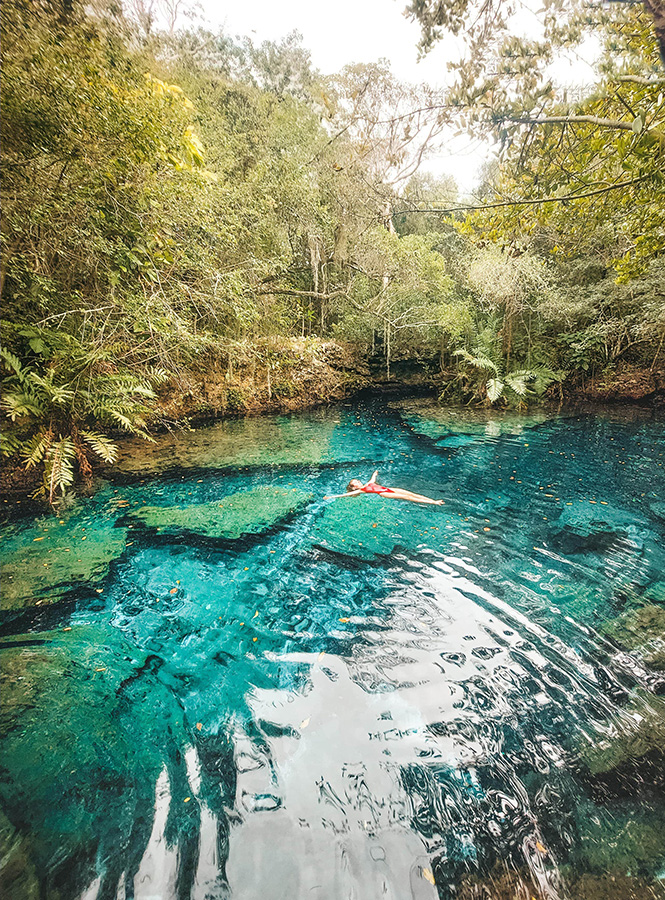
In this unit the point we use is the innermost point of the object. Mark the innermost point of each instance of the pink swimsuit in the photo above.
(374, 488)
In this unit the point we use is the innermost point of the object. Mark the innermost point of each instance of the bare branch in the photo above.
(639, 79)
(612, 187)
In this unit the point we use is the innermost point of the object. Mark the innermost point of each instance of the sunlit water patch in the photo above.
(219, 682)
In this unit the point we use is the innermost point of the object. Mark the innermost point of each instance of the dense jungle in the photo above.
(194, 225)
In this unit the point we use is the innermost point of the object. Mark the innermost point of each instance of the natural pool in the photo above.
(217, 683)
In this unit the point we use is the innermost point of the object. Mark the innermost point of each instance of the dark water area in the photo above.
(217, 683)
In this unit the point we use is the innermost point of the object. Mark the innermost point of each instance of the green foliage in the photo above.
(51, 400)
(172, 200)
(493, 381)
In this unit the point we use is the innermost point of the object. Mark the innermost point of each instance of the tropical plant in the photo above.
(54, 407)
(495, 379)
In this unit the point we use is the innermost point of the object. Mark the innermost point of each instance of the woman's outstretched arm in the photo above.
(338, 496)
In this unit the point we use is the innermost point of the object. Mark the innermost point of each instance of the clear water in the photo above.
(353, 698)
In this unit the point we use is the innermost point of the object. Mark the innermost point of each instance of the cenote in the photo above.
(218, 683)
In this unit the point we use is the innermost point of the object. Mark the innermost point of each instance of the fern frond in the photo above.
(518, 383)
(123, 421)
(56, 393)
(9, 443)
(34, 449)
(18, 405)
(102, 445)
(13, 363)
(59, 467)
(494, 389)
(480, 361)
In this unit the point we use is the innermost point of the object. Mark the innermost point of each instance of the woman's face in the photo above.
(355, 485)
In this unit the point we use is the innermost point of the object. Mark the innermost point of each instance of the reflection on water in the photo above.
(206, 697)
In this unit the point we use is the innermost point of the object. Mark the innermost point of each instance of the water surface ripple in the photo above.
(217, 683)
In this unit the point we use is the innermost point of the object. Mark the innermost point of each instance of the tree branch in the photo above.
(639, 79)
(651, 134)
(315, 295)
(616, 124)
(603, 190)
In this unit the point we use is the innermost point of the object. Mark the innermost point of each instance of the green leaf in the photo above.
(102, 445)
(494, 389)
(38, 345)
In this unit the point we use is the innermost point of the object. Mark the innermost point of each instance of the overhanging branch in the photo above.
(611, 187)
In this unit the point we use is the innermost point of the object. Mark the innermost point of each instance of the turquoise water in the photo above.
(218, 683)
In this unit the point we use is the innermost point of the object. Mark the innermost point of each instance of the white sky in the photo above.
(364, 31)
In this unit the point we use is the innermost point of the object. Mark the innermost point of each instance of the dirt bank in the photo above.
(625, 383)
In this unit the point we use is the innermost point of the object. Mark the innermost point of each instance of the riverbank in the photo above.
(297, 374)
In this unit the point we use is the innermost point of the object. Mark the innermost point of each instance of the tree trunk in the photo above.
(656, 9)
(388, 350)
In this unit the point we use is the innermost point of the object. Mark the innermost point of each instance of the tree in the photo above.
(605, 149)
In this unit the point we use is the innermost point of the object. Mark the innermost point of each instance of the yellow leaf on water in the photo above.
(34, 540)
(540, 848)
(344, 619)
(199, 726)
(304, 723)
(187, 799)
(427, 874)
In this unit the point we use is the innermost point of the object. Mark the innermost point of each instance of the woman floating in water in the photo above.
(356, 487)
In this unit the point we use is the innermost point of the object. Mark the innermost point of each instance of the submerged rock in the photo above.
(84, 742)
(614, 886)
(455, 427)
(505, 883)
(17, 870)
(247, 512)
(367, 526)
(588, 516)
(264, 441)
(643, 630)
(638, 732)
(619, 841)
(58, 558)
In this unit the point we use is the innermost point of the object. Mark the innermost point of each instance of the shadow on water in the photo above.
(288, 697)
